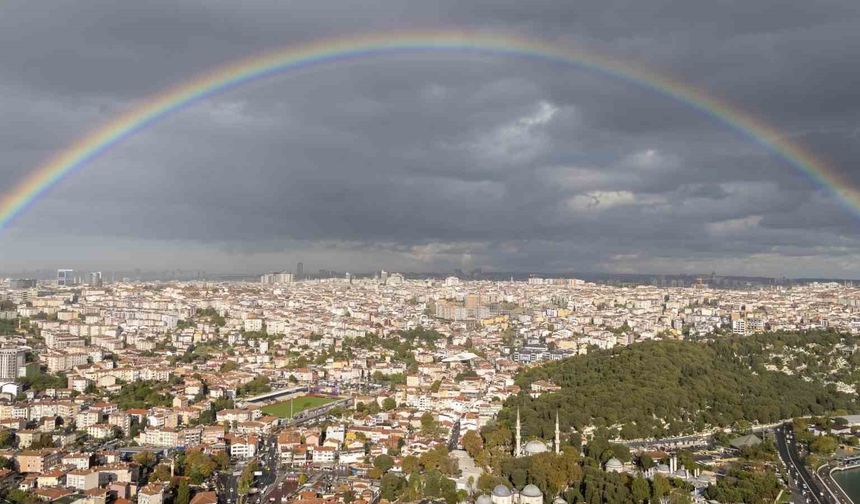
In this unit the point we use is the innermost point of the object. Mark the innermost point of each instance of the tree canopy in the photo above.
(666, 388)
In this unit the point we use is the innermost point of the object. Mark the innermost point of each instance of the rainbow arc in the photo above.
(39, 181)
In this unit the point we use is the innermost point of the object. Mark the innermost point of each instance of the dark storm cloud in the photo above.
(436, 161)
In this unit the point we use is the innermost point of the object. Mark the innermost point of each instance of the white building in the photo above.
(11, 363)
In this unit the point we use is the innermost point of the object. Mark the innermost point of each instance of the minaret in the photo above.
(557, 435)
(519, 444)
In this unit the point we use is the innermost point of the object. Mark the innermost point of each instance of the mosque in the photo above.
(530, 494)
(535, 446)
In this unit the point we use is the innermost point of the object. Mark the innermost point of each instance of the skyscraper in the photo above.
(96, 279)
(65, 277)
(276, 278)
(300, 271)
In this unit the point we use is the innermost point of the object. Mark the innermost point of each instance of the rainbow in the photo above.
(39, 181)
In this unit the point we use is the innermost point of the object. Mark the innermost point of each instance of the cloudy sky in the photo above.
(433, 162)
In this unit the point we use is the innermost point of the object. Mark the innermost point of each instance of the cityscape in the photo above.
(349, 389)
(429, 252)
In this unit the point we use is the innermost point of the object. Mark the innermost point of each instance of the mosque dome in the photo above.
(531, 491)
(484, 499)
(534, 447)
(502, 491)
(614, 465)
(559, 500)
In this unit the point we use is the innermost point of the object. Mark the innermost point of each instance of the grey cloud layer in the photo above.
(436, 161)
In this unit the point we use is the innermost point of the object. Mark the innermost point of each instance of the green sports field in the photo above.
(282, 409)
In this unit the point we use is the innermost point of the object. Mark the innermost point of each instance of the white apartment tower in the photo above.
(11, 362)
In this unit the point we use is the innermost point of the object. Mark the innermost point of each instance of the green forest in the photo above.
(667, 388)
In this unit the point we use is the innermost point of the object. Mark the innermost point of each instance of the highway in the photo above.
(805, 488)
(823, 474)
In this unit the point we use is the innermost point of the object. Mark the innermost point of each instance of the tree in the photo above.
(146, 459)
(428, 424)
(392, 486)
(824, 445)
(742, 485)
(410, 464)
(161, 473)
(646, 462)
(221, 460)
(473, 443)
(21, 497)
(497, 437)
(7, 438)
(438, 459)
(659, 487)
(229, 366)
(389, 404)
(487, 482)
(679, 497)
(246, 479)
(640, 490)
(183, 493)
(383, 462)
(697, 375)
(198, 466)
(42, 441)
(7, 463)
(373, 408)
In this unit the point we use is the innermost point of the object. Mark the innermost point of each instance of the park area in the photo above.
(282, 409)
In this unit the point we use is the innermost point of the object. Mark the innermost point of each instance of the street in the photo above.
(805, 488)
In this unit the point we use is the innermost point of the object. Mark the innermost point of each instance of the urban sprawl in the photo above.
(337, 390)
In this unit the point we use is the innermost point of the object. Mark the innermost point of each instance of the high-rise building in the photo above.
(21, 283)
(276, 278)
(65, 277)
(96, 279)
(300, 271)
(11, 362)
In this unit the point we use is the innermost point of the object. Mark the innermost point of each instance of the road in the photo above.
(227, 482)
(804, 487)
(269, 463)
(823, 474)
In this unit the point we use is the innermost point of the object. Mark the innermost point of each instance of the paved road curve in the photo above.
(805, 488)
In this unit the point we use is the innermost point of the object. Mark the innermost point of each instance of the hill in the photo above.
(668, 388)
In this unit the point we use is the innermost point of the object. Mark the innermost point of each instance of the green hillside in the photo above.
(666, 388)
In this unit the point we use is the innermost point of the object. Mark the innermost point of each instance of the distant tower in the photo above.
(518, 447)
(557, 435)
(300, 271)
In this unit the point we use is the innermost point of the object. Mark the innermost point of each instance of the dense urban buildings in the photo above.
(341, 388)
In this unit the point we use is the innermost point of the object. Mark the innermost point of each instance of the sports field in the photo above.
(282, 409)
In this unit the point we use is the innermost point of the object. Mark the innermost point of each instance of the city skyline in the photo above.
(446, 252)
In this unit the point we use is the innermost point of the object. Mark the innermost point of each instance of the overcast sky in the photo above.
(441, 161)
